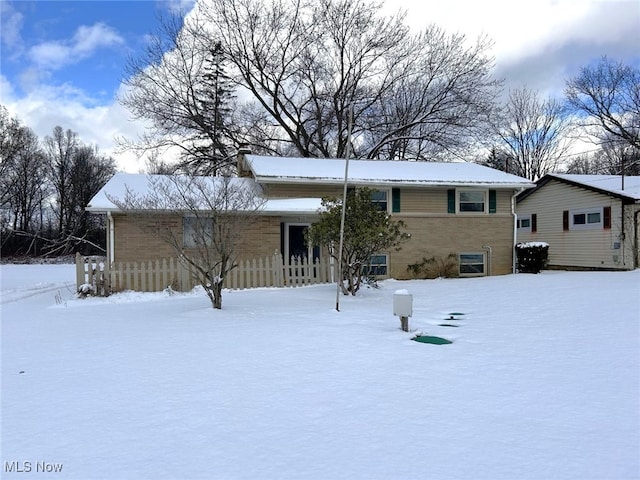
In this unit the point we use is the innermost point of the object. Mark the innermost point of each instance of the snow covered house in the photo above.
(463, 211)
(589, 221)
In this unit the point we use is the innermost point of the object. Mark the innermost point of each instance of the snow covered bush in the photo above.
(86, 290)
(531, 256)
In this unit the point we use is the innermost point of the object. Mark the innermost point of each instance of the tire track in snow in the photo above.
(15, 295)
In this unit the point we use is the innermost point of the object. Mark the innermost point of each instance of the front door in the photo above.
(296, 244)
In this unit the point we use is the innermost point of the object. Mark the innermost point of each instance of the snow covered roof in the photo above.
(122, 184)
(330, 171)
(606, 184)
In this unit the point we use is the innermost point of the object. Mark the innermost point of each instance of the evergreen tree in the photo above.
(367, 230)
(213, 144)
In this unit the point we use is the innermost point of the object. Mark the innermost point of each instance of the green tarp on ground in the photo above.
(434, 340)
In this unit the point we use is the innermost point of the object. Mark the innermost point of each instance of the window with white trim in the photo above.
(585, 218)
(472, 201)
(196, 231)
(380, 198)
(378, 265)
(524, 223)
(471, 264)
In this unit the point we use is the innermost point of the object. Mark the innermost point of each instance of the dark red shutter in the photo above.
(606, 217)
(565, 220)
(534, 222)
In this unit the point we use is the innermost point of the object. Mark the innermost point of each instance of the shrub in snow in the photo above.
(367, 230)
(85, 290)
(531, 256)
(435, 267)
(169, 290)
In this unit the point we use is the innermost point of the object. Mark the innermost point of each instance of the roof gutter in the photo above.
(395, 183)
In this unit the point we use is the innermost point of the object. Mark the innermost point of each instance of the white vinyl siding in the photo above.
(588, 245)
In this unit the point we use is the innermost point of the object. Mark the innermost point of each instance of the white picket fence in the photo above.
(154, 276)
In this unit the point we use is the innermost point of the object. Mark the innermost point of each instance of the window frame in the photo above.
(388, 201)
(485, 201)
(367, 268)
(191, 242)
(523, 218)
(472, 274)
(586, 212)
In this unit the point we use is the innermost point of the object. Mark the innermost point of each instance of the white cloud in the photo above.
(178, 6)
(527, 26)
(86, 40)
(46, 107)
(537, 43)
(11, 22)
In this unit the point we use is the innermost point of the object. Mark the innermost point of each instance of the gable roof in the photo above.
(142, 184)
(610, 185)
(330, 171)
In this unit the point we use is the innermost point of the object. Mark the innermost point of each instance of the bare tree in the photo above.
(440, 106)
(301, 69)
(76, 172)
(60, 148)
(312, 65)
(606, 97)
(156, 165)
(614, 158)
(11, 142)
(216, 214)
(89, 172)
(179, 87)
(25, 181)
(534, 134)
(585, 164)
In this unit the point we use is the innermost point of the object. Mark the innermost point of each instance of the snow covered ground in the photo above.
(541, 381)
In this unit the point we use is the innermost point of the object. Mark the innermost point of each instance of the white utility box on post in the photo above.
(403, 307)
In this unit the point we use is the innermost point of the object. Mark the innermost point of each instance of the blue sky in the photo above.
(62, 62)
(81, 44)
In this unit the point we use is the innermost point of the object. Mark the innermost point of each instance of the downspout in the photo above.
(489, 260)
(636, 249)
(515, 229)
(623, 235)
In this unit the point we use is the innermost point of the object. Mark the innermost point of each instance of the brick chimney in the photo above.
(243, 169)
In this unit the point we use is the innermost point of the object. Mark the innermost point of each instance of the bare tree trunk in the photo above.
(217, 295)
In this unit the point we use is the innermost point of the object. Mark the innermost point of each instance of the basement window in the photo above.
(378, 266)
(471, 264)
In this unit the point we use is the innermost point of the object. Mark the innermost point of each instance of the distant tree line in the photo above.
(45, 186)
(601, 107)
